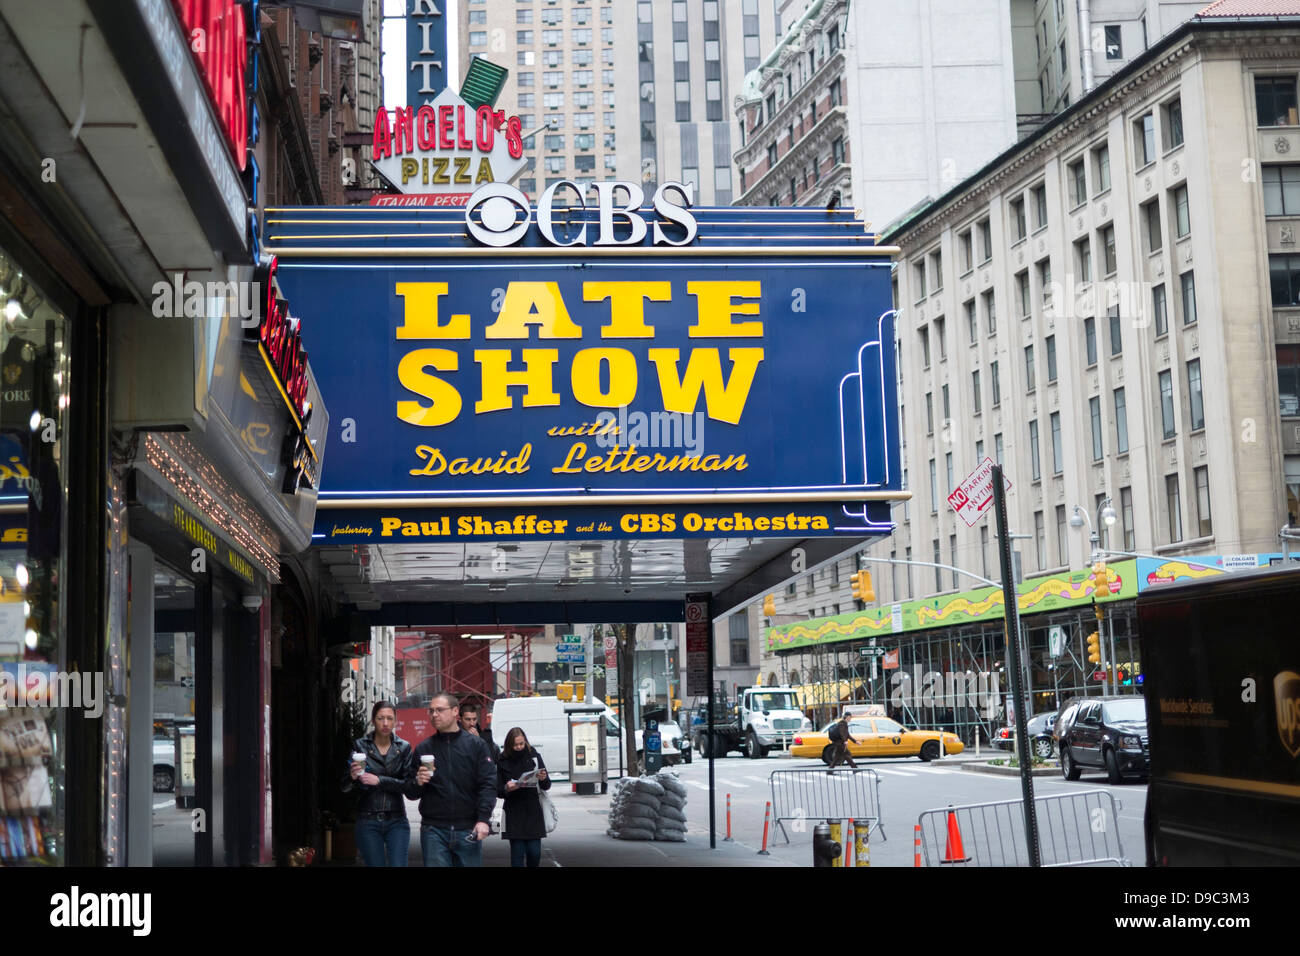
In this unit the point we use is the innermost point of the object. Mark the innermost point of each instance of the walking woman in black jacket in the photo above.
(525, 823)
(383, 832)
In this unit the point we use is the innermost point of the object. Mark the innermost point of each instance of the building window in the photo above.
(1204, 526)
(941, 336)
(1188, 282)
(1145, 132)
(738, 634)
(1151, 213)
(1018, 223)
(1078, 183)
(936, 269)
(1166, 404)
(1058, 460)
(1050, 346)
(478, 38)
(1126, 519)
(972, 323)
(1090, 340)
(1159, 309)
(990, 312)
(997, 448)
(975, 391)
(995, 384)
(1121, 422)
(1181, 211)
(938, 572)
(834, 92)
(1288, 379)
(1275, 101)
(1062, 538)
(925, 346)
(947, 407)
(1083, 258)
(929, 413)
(1282, 190)
(1034, 469)
(1040, 540)
(1195, 399)
(986, 240)
(1101, 168)
(1173, 123)
(1022, 292)
(1173, 503)
(947, 463)
(1094, 414)
(964, 246)
(1116, 343)
(1284, 280)
(1030, 379)
(1114, 49)
(1109, 262)
(984, 550)
(1045, 278)
(837, 150)
(1040, 206)
(524, 37)
(934, 488)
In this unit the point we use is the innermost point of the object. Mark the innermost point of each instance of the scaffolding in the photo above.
(469, 662)
(959, 701)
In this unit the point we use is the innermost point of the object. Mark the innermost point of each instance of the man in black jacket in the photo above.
(469, 722)
(457, 791)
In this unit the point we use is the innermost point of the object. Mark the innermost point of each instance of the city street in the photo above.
(907, 788)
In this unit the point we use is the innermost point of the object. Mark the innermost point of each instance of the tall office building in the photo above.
(670, 124)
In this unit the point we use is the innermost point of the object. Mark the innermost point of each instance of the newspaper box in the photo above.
(587, 766)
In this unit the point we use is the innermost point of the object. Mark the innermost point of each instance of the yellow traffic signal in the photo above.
(1094, 648)
(769, 606)
(1100, 579)
(862, 589)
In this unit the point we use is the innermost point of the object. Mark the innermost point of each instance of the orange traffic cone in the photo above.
(954, 852)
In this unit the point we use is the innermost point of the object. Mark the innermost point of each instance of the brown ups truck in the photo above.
(1221, 670)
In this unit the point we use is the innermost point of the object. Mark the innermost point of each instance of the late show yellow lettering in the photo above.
(444, 400)
(627, 306)
(622, 377)
(420, 315)
(533, 303)
(484, 172)
(724, 402)
(715, 305)
(497, 378)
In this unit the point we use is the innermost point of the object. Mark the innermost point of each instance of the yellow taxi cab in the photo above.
(878, 737)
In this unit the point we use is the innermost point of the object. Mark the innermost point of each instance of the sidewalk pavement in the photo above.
(580, 839)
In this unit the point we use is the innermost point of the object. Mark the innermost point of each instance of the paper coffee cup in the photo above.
(427, 760)
(360, 758)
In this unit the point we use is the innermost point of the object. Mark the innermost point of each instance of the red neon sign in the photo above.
(216, 31)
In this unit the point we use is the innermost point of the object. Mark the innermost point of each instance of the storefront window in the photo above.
(36, 691)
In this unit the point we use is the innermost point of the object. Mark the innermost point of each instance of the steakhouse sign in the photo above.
(740, 381)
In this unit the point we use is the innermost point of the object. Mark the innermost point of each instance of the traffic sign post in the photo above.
(871, 651)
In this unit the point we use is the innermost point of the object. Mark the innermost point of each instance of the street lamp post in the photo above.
(1105, 518)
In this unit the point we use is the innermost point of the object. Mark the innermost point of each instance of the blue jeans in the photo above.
(384, 842)
(447, 846)
(526, 850)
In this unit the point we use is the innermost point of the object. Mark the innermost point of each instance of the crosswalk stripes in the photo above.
(900, 773)
(759, 780)
(697, 786)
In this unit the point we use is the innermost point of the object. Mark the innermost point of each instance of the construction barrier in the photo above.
(837, 836)
(727, 838)
(1074, 829)
(862, 843)
(916, 847)
(840, 794)
(767, 815)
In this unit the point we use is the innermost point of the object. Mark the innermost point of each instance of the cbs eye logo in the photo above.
(499, 207)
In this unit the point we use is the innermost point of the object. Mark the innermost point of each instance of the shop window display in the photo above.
(35, 689)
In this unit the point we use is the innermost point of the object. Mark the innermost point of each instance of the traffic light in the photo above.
(1094, 648)
(862, 589)
(769, 606)
(1100, 579)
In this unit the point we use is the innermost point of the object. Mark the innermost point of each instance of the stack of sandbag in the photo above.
(634, 808)
(670, 825)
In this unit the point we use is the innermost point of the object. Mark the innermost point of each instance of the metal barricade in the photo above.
(1074, 829)
(840, 794)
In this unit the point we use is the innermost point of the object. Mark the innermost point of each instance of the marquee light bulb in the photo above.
(13, 309)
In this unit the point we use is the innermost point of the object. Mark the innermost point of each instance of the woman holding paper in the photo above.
(521, 776)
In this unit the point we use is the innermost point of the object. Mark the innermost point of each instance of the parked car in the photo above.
(1103, 733)
(878, 737)
(1041, 742)
(164, 757)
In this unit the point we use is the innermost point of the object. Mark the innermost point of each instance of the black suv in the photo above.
(1107, 733)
